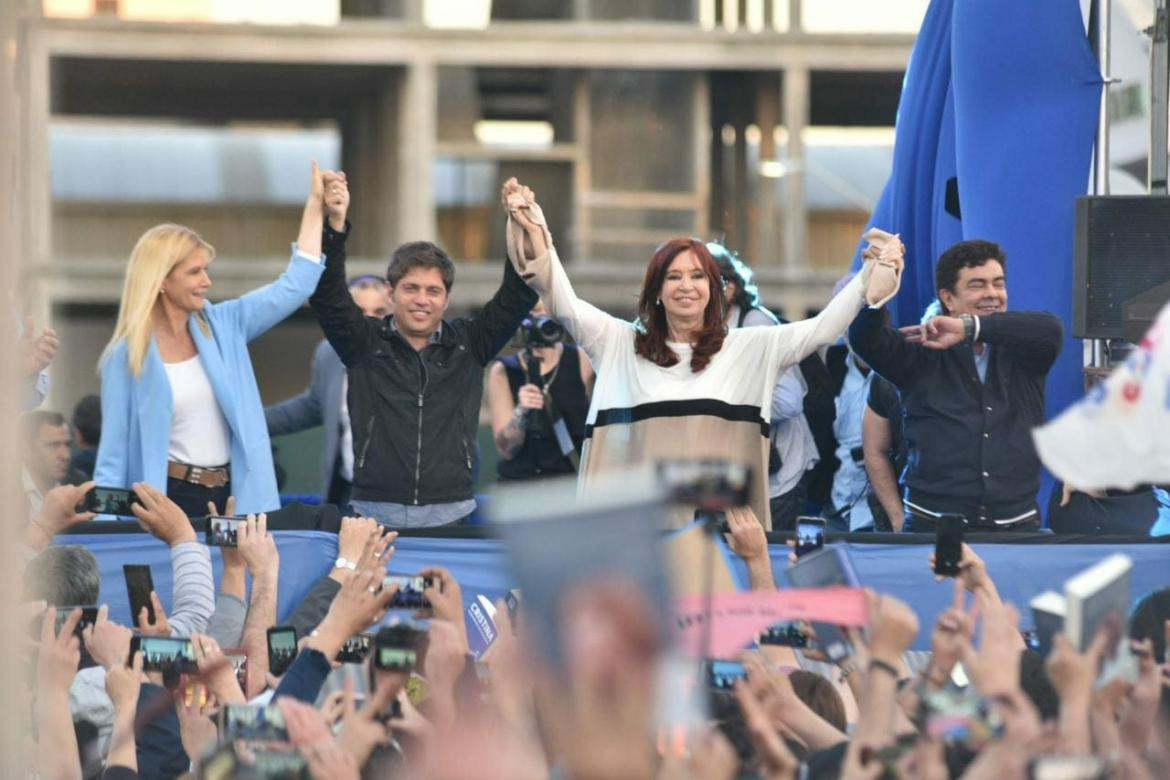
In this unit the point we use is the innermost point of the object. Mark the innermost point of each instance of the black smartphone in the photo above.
(163, 653)
(721, 674)
(111, 501)
(792, 634)
(139, 584)
(252, 722)
(355, 649)
(396, 648)
(88, 618)
(282, 649)
(222, 531)
(411, 591)
(948, 544)
(810, 535)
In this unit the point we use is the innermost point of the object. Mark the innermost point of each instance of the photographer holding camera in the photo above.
(539, 399)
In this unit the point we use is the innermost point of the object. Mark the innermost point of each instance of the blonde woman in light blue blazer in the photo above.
(180, 407)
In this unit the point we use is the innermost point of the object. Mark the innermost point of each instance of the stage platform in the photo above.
(1023, 565)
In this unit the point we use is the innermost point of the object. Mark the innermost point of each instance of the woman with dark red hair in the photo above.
(677, 384)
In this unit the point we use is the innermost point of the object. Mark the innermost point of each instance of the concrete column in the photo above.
(35, 195)
(767, 114)
(370, 156)
(416, 152)
(796, 114)
(701, 146)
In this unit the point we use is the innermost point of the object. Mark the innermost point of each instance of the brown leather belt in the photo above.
(199, 475)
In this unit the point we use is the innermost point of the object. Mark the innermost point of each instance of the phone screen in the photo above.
(247, 721)
(110, 501)
(721, 675)
(411, 591)
(791, 634)
(948, 544)
(222, 531)
(810, 535)
(282, 649)
(395, 659)
(355, 649)
(139, 584)
(164, 653)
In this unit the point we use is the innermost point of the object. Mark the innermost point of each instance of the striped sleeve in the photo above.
(193, 595)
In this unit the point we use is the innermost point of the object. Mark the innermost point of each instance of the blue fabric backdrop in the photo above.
(1020, 570)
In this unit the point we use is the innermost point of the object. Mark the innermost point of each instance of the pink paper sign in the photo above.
(738, 618)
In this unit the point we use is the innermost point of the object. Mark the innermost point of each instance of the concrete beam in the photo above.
(626, 45)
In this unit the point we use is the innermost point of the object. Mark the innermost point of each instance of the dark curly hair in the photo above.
(650, 339)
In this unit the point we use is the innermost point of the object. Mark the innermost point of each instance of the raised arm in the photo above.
(345, 325)
(531, 251)
(498, 319)
(795, 341)
(884, 349)
(264, 307)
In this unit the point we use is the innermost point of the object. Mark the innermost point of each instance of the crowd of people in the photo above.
(892, 430)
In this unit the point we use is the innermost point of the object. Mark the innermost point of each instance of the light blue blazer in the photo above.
(136, 412)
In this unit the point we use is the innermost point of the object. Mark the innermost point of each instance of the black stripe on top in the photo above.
(699, 406)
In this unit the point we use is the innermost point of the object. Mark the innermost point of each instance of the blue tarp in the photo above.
(1020, 570)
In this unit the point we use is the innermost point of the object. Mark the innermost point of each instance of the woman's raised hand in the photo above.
(336, 198)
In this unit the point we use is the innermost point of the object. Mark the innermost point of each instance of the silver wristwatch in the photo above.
(345, 563)
(968, 326)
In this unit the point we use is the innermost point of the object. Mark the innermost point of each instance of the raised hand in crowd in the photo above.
(197, 730)
(216, 670)
(777, 760)
(446, 658)
(57, 661)
(995, 667)
(258, 547)
(361, 602)
(749, 542)
(123, 684)
(108, 643)
(161, 517)
(773, 693)
(362, 731)
(1072, 674)
(36, 350)
(446, 599)
(160, 626)
(892, 628)
(324, 755)
(59, 512)
(361, 537)
(954, 629)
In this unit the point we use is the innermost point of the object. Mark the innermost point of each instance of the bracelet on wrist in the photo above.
(520, 417)
(877, 663)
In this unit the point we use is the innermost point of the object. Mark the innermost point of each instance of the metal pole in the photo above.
(1097, 356)
(1159, 98)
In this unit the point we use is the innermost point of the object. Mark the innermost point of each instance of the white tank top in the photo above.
(199, 432)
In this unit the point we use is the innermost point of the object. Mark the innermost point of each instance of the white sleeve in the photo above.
(795, 341)
(590, 327)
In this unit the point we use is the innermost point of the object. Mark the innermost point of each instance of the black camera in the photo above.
(541, 331)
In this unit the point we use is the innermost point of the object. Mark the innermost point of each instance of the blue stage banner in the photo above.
(1021, 571)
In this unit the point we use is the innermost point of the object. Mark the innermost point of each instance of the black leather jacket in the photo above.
(414, 414)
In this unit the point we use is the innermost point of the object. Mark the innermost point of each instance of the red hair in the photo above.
(650, 340)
